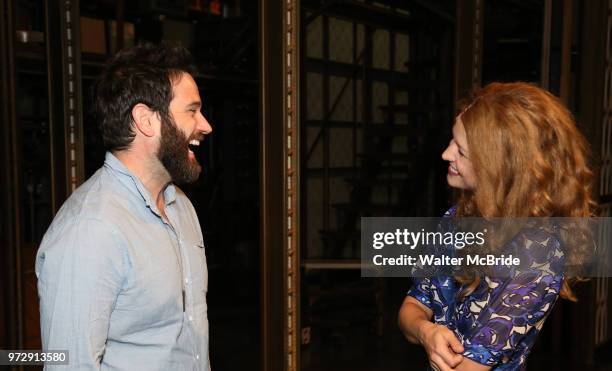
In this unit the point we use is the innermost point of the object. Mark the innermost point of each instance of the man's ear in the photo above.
(144, 119)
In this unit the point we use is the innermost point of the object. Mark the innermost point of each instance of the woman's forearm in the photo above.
(413, 319)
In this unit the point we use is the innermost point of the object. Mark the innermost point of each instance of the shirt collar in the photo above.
(130, 180)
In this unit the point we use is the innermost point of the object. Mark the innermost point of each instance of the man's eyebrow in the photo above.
(195, 104)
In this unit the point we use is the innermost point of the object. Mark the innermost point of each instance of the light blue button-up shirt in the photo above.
(119, 287)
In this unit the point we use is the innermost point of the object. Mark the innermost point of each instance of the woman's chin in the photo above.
(455, 181)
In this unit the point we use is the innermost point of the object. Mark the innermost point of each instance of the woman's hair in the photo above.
(529, 158)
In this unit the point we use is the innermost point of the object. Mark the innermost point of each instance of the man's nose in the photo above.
(204, 126)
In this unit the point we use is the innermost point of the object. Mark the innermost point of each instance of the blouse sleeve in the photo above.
(510, 315)
(425, 288)
(421, 291)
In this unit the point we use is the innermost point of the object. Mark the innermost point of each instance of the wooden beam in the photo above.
(468, 44)
(566, 51)
(546, 37)
(590, 118)
(272, 206)
(10, 317)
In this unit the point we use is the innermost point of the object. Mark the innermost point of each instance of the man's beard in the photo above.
(173, 154)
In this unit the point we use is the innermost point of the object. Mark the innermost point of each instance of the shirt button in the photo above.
(197, 356)
(190, 318)
(186, 280)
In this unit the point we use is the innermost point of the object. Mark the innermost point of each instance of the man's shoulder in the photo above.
(100, 198)
(99, 194)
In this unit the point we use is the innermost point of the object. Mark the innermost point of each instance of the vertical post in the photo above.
(325, 126)
(469, 36)
(9, 190)
(565, 78)
(65, 104)
(279, 159)
(546, 35)
(271, 175)
(589, 325)
(291, 56)
(566, 50)
(120, 24)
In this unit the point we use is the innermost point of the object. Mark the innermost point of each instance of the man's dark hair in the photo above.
(140, 74)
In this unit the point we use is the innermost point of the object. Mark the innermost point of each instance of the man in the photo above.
(122, 275)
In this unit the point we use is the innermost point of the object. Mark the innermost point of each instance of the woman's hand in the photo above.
(442, 346)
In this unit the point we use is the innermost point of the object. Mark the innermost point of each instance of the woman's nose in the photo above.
(447, 154)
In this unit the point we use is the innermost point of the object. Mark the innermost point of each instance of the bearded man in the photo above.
(122, 275)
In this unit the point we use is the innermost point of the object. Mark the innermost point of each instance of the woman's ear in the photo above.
(144, 119)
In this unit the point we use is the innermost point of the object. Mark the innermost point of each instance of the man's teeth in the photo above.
(194, 142)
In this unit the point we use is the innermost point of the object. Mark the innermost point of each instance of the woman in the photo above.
(515, 152)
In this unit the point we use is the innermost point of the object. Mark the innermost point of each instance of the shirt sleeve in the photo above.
(80, 268)
(510, 316)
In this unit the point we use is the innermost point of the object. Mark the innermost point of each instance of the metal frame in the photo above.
(66, 119)
(279, 158)
(292, 78)
(64, 115)
(72, 94)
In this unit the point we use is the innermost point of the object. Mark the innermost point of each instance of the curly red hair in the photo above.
(529, 158)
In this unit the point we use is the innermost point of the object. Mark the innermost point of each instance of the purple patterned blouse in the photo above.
(499, 322)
